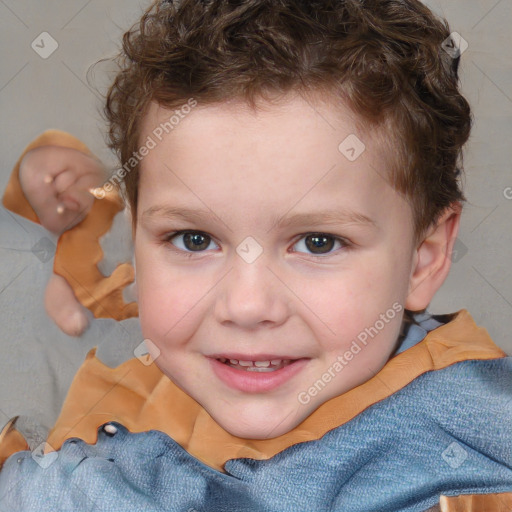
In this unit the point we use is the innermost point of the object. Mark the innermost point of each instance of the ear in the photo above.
(432, 259)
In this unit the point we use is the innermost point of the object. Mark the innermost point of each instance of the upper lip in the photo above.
(253, 357)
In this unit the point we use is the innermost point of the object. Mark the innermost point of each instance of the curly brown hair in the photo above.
(383, 59)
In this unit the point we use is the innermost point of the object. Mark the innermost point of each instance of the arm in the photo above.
(50, 185)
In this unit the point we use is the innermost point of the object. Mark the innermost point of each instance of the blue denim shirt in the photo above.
(447, 432)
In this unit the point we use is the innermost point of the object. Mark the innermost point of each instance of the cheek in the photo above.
(363, 301)
(169, 300)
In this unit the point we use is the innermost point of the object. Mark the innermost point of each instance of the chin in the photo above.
(246, 428)
(255, 432)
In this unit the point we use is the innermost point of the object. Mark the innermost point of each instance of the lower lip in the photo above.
(256, 382)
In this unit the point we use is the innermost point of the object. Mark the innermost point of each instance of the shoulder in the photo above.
(473, 388)
(466, 406)
(446, 432)
(121, 471)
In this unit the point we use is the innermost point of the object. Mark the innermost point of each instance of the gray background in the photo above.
(38, 362)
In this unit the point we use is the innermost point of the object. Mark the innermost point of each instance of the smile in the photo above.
(270, 365)
(258, 376)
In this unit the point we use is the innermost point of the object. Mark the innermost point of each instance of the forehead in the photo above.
(294, 153)
(293, 119)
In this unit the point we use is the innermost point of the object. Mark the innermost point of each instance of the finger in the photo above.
(60, 159)
(76, 198)
(71, 204)
(75, 185)
(93, 179)
(45, 163)
(62, 219)
(64, 308)
(64, 180)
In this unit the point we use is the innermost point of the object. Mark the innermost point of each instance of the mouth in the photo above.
(262, 366)
(256, 374)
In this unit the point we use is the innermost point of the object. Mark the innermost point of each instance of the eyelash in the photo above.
(344, 243)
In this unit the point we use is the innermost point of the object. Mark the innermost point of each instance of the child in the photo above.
(291, 169)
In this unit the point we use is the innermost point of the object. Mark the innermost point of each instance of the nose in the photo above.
(252, 296)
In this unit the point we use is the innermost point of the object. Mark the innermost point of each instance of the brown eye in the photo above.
(191, 241)
(319, 243)
(196, 241)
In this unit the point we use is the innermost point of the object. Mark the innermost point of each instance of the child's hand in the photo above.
(56, 182)
(64, 308)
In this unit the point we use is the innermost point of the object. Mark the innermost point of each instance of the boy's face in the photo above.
(292, 253)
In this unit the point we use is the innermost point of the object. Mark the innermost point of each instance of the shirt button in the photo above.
(110, 429)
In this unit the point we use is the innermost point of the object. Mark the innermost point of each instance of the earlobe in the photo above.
(432, 259)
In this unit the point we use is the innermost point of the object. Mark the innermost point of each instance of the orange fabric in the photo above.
(78, 249)
(142, 398)
(79, 252)
(11, 441)
(477, 503)
(14, 199)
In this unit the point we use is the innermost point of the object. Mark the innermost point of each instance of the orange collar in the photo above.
(142, 398)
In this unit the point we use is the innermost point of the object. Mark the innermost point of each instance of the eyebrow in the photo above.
(332, 217)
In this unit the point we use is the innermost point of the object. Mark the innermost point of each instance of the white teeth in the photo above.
(262, 364)
(257, 366)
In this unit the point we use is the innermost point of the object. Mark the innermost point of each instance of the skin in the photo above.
(56, 181)
(249, 169)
